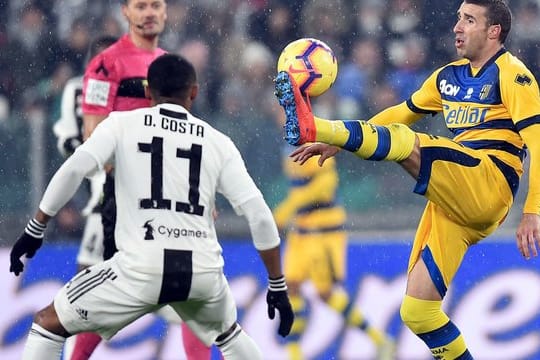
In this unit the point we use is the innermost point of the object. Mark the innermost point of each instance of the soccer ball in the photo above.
(311, 63)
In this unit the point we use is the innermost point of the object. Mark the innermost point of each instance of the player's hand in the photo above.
(527, 233)
(303, 153)
(277, 298)
(28, 243)
(71, 143)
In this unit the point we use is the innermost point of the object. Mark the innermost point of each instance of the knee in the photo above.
(422, 316)
(48, 319)
(228, 334)
(407, 315)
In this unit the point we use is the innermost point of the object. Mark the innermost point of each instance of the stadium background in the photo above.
(385, 49)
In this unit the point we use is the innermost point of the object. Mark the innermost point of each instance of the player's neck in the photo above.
(145, 43)
(485, 56)
(168, 100)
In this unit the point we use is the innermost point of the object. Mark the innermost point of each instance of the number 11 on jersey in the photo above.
(157, 201)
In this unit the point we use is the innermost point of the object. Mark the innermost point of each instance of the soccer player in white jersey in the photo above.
(169, 167)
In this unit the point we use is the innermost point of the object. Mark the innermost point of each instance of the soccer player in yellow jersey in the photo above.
(316, 249)
(491, 103)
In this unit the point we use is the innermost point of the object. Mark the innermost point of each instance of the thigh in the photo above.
(464, 182)
(210, 309)
(99, 299)
(91, 248)
(440, 244)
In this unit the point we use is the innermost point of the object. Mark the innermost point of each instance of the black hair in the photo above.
(171, 76)
(497, 13)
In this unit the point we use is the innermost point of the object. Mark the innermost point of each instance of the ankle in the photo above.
(331, 132)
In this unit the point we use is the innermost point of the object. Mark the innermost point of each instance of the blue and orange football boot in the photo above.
(299, 123)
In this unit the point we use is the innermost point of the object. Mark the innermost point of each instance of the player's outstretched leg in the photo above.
(393, 142)
(299, 123)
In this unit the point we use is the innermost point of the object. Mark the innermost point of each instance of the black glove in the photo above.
(277, 298)
(70, 144)
(28, 243)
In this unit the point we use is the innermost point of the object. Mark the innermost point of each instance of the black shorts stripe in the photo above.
(177, 276)
(88, 284)
(82, 282)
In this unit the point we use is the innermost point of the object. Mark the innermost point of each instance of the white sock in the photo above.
(239, 346)
(42, 344)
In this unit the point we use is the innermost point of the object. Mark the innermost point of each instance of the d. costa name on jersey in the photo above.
(176, 125)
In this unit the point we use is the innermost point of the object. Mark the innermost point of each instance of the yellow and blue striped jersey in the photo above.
(492, 108)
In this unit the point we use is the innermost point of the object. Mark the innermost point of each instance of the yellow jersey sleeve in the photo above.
(521, 96)
(426, 100)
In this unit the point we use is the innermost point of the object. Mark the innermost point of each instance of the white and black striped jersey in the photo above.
(168, 167)
(69, 133)
(68, 128)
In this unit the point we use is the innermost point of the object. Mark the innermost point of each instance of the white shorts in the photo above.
(106, 297)
(168, 314)
(91, 248)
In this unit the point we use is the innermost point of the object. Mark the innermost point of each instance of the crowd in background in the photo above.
(385, 50)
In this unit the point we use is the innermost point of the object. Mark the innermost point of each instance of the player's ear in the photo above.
(494, 31)
(194, 92)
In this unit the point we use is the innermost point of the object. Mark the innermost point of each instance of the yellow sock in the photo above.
(426, 319)
(331, 132)
(393, 142)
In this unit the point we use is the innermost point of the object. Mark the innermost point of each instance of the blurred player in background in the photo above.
(169, 167)
(69, 132)
(490, 102)
(316, 249)
(113, 81)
